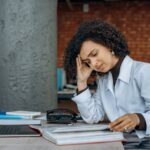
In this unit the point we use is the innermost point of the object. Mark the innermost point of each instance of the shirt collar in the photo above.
(124, 75)
(125, 69)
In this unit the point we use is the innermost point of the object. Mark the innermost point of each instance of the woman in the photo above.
(123, 91)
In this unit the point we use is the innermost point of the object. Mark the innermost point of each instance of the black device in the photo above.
(61, 115)
(17, 131)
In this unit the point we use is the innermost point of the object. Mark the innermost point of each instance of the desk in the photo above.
(39, 143)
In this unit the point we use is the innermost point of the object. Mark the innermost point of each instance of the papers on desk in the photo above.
(28, 114)
(79, 133)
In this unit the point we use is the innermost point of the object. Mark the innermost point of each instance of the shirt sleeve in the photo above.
(143, 80)
(90, 105)
(142, 125)
(79, 92)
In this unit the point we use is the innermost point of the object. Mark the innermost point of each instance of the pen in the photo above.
(4, 116)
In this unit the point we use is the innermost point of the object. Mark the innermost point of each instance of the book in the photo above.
(29, 114)
(17, 131)
(19, 121)
(79, 134)
(79, 127)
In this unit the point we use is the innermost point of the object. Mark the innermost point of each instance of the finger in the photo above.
(77, 62)
(121, 126)
(79, 59)
(116, 122)
(126, 126)
(129, 127)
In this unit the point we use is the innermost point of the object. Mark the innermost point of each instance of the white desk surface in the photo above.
(39, 143)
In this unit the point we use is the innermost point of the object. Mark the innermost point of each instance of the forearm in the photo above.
(89, 107)
(147, 121)
(81, 84)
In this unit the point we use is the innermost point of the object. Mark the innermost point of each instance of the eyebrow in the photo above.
(88, 55)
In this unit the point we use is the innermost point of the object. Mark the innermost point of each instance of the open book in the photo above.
(79, 133)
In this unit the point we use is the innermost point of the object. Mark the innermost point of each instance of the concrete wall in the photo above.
(28, 54)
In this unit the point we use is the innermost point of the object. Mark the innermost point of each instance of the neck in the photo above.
(115, 60)
(116, 69)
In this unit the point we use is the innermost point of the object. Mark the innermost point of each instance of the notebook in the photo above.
(29, 114)
(17, 130)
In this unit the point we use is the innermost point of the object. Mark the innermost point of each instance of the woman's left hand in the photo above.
(126, 123)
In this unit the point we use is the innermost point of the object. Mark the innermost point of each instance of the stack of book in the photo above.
(19, 118)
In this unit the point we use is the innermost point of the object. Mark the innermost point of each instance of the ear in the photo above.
(112, 52)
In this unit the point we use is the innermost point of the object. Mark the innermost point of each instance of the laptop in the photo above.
(17, 130)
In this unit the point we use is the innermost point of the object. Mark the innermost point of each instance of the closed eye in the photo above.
(87, 61)
(93, 53)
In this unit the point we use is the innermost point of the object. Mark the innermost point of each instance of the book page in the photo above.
(60, 135)
(80, 127)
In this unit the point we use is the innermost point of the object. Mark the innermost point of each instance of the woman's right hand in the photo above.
(83, 73)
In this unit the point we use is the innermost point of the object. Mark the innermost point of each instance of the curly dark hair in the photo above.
(97, 31)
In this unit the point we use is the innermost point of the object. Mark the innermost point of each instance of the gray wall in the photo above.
(28, 54)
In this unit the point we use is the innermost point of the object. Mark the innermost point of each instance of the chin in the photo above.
(105, 70)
